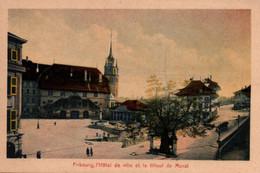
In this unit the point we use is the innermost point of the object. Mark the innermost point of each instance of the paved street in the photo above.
(66, 140)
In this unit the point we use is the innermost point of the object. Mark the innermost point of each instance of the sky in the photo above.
(178, 44)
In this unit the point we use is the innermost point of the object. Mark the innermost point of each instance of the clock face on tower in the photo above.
(112, 80)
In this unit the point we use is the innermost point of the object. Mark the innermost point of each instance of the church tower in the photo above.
(111, 72)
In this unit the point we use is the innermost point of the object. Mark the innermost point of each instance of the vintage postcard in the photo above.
(93, 88)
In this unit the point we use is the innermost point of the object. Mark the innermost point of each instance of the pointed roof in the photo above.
(111, 97)
(110, 52)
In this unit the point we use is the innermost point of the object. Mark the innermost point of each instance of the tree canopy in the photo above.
(166, 114)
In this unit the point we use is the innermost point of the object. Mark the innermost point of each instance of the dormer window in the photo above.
(85, 75)
(71, 73)
(100, 77)
(14, 55)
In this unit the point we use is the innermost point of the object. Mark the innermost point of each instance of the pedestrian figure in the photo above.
(91, 151)
(54, 123)
(38, 155)
(38, 124)
(87, 152)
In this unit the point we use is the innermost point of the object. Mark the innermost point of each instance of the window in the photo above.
(33, 100)
(50, 92)
(27, 100)
(100, 77)
(112, 104)
(14, 55)
(13, 120)
(62, 93)
(13, 86)
(95, 95)
(84, 94)
(33, 91)
(27, 91)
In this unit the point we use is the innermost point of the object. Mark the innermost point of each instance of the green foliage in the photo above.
(165, 114)
(226, 100)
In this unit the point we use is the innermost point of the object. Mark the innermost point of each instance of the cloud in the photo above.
(140, 54)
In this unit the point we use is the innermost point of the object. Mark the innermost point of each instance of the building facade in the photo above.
(30, 91)
(242, 98)
(66, 91)
(204, 95)
(59, 82)
(14, 96)
(126, 110)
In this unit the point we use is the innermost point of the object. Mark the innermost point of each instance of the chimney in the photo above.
(27, 58)
(191, 79)
(210, 77)
(37, 68)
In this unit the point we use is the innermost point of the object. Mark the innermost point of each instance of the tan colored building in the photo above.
(242, 98)
(198, 90)
(78, 92)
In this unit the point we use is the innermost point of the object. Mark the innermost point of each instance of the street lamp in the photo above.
(238, 120)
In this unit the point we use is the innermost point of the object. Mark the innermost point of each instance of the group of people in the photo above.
(89, 152)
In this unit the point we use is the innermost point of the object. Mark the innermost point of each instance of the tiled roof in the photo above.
(133, 105)
(58, 77)
(31, 74)
(212, 84)
(195, 88)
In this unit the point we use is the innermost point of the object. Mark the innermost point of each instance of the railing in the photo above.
(224, 143)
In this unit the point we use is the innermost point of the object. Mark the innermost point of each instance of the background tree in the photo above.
(166, 115)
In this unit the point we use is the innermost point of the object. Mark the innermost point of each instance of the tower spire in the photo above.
(110, 53)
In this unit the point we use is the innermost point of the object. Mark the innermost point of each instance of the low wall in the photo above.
(227, 141)
(129, 142)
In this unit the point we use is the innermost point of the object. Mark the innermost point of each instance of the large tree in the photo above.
(166, 115)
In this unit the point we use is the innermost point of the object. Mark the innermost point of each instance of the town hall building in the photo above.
(66, 91)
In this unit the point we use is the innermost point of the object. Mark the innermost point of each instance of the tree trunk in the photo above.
(151, 143)
(174, 144)
(165, 143)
